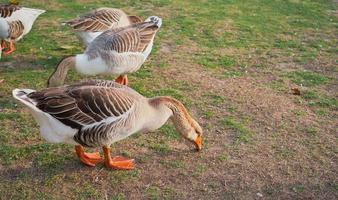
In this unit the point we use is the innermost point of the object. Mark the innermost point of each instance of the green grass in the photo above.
(311, 131)
(45, 154)
(161, 148)
(216, 99)
(199, 169)
(119, 196)
(283, 152)
(170, 132)
(308, 78)
(223, 158)
(86, 191)
(242, 134)
(319, 101)
(153, 192)
(214, 63)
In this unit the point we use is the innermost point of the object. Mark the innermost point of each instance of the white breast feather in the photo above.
(126, 62)
(118, 63)
(90, 67)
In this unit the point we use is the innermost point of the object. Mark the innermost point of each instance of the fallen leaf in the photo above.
(295, 91)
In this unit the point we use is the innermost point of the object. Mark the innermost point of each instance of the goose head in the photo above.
(183, 122)
(187, 126)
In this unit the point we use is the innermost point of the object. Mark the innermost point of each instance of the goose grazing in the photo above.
(116, 51)
(99, 113)
(92, 24)
(15, 22)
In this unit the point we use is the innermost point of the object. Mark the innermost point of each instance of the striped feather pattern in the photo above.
(133, 38)
(8, 10)
(16, 29)
(93, 108)
(98, 20)
(134, 19)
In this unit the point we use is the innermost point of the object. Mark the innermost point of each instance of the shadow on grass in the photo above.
(42, 172)
(23, 62)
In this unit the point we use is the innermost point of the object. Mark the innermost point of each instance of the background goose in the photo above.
(15, 22)
(117, 51)
(92, 24)
(99, 113)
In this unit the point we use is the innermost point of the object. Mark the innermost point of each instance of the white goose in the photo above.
(15, 22)
(92, 24)
(117, 51)
(99, 113)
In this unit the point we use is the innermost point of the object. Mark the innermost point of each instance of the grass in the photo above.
(242, 134)
(160, 148)
(214, 63)
(233, 58)
(307, 78)
(170, 132)
(153, 192)
(223, 158)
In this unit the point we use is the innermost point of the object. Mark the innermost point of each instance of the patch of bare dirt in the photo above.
(282, 156)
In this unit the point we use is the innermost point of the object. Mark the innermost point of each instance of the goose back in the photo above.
(99, 20)
(101, 111)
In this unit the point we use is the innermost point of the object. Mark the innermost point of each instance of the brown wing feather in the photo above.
(97, 20)
(134, 19)
(133, 38)
(147, 33)
(83, 104)
(8, 10)
(16, 29)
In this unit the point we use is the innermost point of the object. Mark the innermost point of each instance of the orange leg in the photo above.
(90, 159)
(11, 48)
(117, 162)
(3, 44)
(122, 79)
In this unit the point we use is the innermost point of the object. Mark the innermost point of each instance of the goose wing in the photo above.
(98, 20)
(133, 38)
(8, 10)
(86, 104)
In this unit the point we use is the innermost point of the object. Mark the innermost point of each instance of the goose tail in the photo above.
(21, 95)
(33, 10)
(156, 20)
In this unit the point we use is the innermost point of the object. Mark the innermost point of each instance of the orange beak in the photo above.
(198, 143)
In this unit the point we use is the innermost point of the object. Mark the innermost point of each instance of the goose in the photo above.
(15, 22)
(92, 24)
(98, 113)
(116, 51)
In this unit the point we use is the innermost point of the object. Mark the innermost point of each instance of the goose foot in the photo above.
(117, 162)
(122, 79)
(90, 159)
(11, 48)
